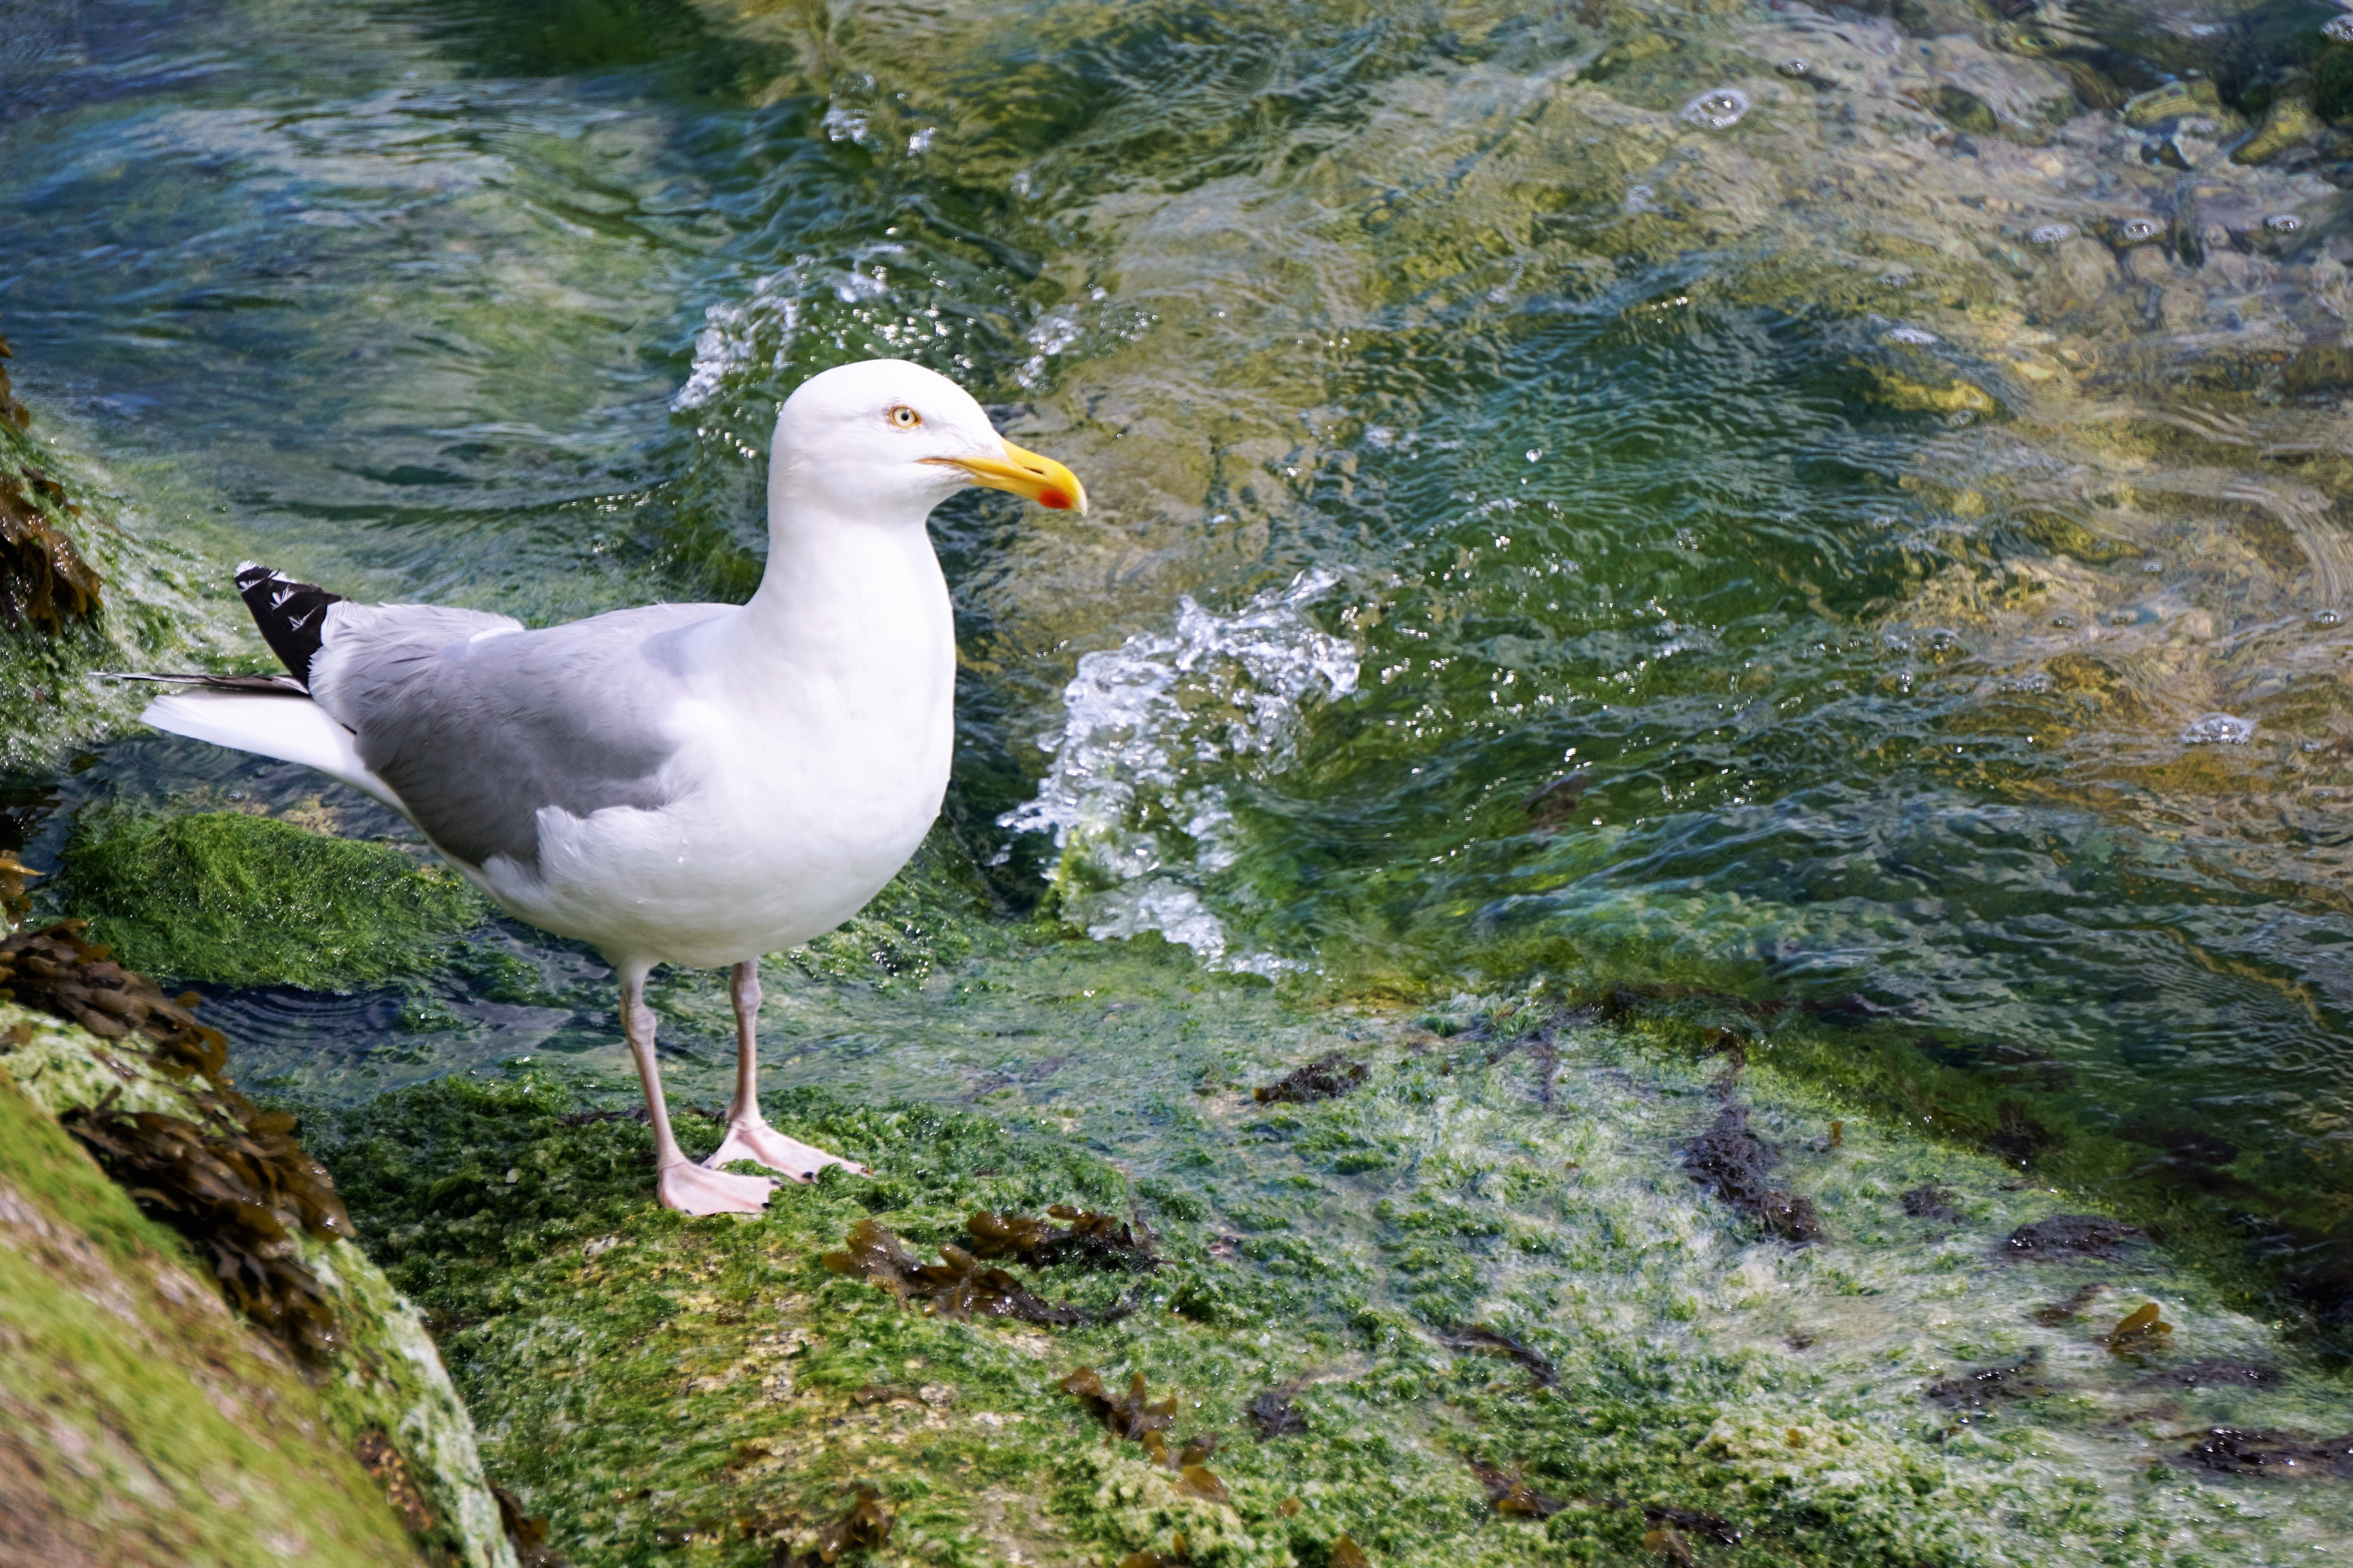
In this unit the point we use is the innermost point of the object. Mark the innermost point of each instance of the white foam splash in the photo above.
(1127, 800)
(737, 338)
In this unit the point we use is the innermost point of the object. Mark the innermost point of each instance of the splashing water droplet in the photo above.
(1916, 336)
(2219, 729)
(1718, 109)
(2338, 29)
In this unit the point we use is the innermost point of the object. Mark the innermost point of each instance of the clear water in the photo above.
(1942, 594)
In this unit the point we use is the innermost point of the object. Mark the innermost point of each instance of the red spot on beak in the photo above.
(1053, 500)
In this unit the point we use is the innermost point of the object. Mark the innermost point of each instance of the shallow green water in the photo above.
(1462, 415)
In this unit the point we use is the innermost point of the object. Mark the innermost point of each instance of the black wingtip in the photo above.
(293, 616)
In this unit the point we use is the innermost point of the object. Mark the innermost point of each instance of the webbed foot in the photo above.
(693, 1189)
(762, 1144)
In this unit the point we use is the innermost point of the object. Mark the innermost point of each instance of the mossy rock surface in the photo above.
(140, 1423)
(707, 1392)
(238, 900)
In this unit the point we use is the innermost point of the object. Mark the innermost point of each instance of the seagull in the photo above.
(691, 785)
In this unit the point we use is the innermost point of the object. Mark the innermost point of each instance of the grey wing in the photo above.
(477, 725)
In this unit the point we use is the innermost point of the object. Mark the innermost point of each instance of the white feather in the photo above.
(291, 728)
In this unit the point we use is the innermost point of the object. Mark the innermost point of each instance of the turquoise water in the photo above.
(1940, 592)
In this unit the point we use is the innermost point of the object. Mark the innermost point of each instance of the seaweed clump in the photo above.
(43, 578)
(2070, 1232)
(1989, 1386)
(958, 1286)
(1508, 1492)
(865, 1527)
(1090, 1240)
(1737, 1165)
(239, 1196)
(1134, 1416)
(1328, 1077)
(55, 970)
(2237, 1453)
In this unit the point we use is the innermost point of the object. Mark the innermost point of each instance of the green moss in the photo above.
(246, 901)
(139, 1421)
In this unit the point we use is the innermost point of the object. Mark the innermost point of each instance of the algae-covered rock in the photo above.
(140, 1422)
(248, 900)
(377, 1396)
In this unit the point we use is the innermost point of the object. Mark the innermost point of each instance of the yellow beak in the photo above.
(1026, 475)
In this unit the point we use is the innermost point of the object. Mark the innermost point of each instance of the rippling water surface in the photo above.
(1796, 506)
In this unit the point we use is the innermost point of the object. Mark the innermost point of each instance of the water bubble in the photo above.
(2052, 234)
(2282, 223)
(1960, 419)
(1794, 67)
(2338, 29)
(2141, 230)
(2065, 623)
(1718, 109)
(2219, 729)
(1912, 335)
(2326, 618)
(1534, 453)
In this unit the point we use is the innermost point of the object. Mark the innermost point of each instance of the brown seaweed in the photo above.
(2139, 1333)
(863, 1528)
(1509, 1493)
(1178, 1555)
(1737, 1165)
(1090, 1240)
(2059, 1312)
(1343, 1552)
(2063, 1234)
(1930, 1203)
(13, 414)
(957, 1286)
(43, 578)
(1478, 1337)
(388, 1467)
(55, 971)
(239, 1195)
(2240, 1453)
(1715, 1527)
(1275, 1416)
(1131, 1415)
(526, 1535)
(15, 902)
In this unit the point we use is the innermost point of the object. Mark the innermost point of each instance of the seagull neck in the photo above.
(835, 584)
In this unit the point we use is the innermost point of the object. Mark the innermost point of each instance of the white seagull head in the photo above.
(885, 440)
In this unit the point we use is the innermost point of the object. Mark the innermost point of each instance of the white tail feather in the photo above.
(291, 728)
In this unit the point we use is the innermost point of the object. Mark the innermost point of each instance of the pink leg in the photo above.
(749, 1136)
(678, 1181)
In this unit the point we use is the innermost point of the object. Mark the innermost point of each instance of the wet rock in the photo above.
(1737, 1165)
(2216, 1374)
(2194, 99)
(2288, 124)
(1989, 1386)
(1931, 1202)
(2277, 1454)
(1275, 1416)
(1328, 1077)
(1966, 109)
(2069, 1234)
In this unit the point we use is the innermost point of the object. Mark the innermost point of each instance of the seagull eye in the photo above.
(904, 418)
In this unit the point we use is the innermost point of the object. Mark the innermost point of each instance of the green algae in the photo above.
(234, 899)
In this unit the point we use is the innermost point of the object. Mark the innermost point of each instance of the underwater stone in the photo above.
(1734, 1163)
(2238, 1453)
(2288, 123)
(2175, 99)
